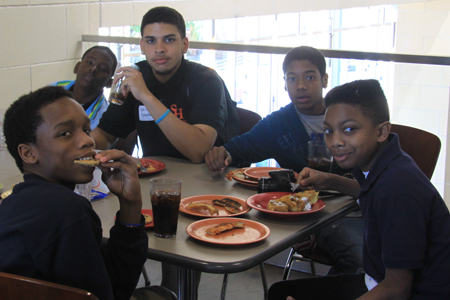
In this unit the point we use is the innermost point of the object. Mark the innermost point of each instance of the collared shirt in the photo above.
(95, 110)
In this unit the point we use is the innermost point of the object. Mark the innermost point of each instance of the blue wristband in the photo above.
(162, 117)
(132, 225)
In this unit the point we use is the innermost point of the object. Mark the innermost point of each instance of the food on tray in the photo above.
(230, 205)
(239, 173)
(146, 164)
(200, 206)
(148, 219)
(222, 227)
(90, 162)
(301, 201)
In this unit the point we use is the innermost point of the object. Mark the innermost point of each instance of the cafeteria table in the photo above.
(189, 254)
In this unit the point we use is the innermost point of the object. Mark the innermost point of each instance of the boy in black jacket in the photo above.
(49, 232)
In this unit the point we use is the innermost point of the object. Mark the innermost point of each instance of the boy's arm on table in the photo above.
(310, 179)
(396, 285)
(217, 159)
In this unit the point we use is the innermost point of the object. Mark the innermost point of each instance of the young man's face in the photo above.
(64, 136)
(304, 86)
(95, 71)
(353, 139)
(163, 48)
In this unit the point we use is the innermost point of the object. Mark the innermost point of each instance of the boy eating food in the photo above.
(49, 232)
(406, 251)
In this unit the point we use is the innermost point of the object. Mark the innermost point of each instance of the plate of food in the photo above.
(259, 172)
(214, 206)
(228, 231)
(152, 165)
(239, 176)
(285, 203)
(148, 215)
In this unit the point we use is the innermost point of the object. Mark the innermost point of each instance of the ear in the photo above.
(27, 154)
(325, 81)
(141, 43)
(285, 86)
(185, 45)
(383, 131)
(75, 70)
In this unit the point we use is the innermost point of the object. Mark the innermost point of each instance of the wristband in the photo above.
(163, 116)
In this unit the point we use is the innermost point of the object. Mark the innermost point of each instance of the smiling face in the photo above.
(353, 139)
(304, 86)
(163, 48)
(62, 137)
(95, 71)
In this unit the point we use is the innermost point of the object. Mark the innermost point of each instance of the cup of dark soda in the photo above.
(165, 195)
(116, 94)
(319, 156)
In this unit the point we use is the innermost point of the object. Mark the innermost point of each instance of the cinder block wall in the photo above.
(421, 93)
(41, 38)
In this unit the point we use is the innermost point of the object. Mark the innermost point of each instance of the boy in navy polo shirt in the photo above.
(406, 251)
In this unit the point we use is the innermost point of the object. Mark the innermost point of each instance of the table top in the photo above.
(188, 252)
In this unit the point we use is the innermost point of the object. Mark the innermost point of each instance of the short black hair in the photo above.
(113, 56)
(310, 54)
(164, 14)
(23, 118)
(365, 94)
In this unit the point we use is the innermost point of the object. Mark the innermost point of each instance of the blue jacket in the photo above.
(281, 136)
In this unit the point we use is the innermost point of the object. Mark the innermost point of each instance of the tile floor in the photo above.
(241, 286)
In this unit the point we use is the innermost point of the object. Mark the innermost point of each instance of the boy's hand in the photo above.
(218, 159)
(310, 179)
(120, 175)
(132, 81)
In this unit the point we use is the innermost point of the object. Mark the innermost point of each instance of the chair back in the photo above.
(247, 119)
(422, 146)
(13, 287)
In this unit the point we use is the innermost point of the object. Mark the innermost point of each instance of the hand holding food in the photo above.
(119, 173)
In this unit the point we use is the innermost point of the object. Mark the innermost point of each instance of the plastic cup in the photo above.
(115, 94)
(165, 195)
(319, 156)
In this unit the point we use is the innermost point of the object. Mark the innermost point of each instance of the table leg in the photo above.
(182, 281)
